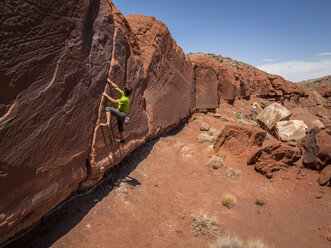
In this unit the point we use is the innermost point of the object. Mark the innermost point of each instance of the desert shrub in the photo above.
(204, 137)
(204, 225)
(216, 162)
(261, 201)
(228, 119)
(208, 137)
(228, 242)
(248, 122)
(214, 132)
(257, 243)
(235, 174)
(240, 115)
(229, 200)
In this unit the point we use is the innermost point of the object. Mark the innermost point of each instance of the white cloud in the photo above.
(324, 54)
(268, 60)
(297, 71)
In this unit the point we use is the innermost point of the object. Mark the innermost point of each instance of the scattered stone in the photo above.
(274, 157)
(325, 176)
(88, 226)
(293, 130)
(318, 195)
(272, 114)
(204, 127)
(217, 115)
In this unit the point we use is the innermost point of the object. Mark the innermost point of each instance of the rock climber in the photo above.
(122, 111)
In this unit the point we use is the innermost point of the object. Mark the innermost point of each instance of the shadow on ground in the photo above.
(69, 213)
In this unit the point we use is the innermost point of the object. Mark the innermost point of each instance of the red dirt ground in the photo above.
(168, 180)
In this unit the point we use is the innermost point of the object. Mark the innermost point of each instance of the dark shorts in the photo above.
(120, 117)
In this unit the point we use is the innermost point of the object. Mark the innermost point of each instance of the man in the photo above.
(121, 111)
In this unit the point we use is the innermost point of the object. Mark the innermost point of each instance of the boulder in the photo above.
(238, 139)
(204, 126)
(292, 131)
(162, 77)
(272, 114)
(273, 157)
(317, 149)
(55, 57)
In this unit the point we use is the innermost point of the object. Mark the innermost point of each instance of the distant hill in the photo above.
(321, 85)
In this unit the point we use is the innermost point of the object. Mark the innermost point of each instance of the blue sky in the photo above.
(291, 38)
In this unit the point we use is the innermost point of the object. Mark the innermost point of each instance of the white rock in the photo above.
(317, 123)
(293, 130)
(272, 114)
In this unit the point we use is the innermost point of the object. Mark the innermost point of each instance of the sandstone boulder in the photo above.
(204, 126)
(272, 114)
(317, 145)
(273, 157)
(54, 62)
(238, 139)
(292, 131)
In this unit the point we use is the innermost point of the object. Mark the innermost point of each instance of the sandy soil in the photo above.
(167, 180)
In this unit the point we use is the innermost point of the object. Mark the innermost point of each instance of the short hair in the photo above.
(127, 90)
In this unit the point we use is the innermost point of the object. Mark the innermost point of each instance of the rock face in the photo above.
(274, 157)
(317, 145)
(272, 114)
(292, 131)
(206, 83)
(162, 79)
(239, 139)
(53, 67)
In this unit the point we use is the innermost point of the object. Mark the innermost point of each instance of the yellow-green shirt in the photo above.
(123, 103)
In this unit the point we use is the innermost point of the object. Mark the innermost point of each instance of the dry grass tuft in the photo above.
(228, 242)
(204, 137)
(227, 119)
(257, 243)
(208, 137)
(216, 162)
(204, 225)
(261, 201)
(229, 200)
(235, 174)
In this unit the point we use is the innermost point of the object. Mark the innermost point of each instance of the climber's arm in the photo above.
(114, 85)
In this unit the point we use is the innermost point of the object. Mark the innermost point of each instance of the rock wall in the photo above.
(53, 66)
(55, 58)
